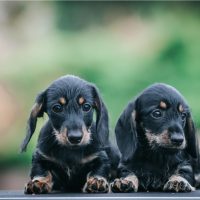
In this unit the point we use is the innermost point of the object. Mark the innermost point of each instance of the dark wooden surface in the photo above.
(18, 194)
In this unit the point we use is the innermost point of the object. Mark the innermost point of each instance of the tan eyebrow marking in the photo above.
(163, 105)
(180, 108)
(81, 100)
(62, 100)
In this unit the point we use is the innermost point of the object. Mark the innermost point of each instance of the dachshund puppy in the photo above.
(73, 151)
(157, 140)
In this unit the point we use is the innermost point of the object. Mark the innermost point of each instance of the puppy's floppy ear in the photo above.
(102, 127)
(37, 111)
(191, 137)
(125, 131)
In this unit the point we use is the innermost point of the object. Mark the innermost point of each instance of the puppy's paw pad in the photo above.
(96, 184)
(37, 187)
(124, 185)
(178, 184)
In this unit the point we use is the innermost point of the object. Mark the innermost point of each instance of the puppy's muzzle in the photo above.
(177, 139)
(176, 135)
(74, 136)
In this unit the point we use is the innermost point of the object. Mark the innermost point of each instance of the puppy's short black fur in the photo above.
(73, 151)
(159, 148)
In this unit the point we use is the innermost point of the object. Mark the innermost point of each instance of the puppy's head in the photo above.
(160, 119)
(70, 103)
(162, 115)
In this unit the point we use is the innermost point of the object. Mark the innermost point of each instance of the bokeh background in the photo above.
(120, 46)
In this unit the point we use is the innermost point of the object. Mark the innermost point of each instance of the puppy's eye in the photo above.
(183, 116)
(86, 107)
(57, 108)
(156, 114)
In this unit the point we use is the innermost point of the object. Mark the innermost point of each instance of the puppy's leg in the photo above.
(177, 183)
(39, 185)
(182, 179)
(41, 180)
(96, 183)
(127, 183)
(97, 178)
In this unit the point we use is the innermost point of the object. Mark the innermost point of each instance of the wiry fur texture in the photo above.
(157, 139)
(72, 145)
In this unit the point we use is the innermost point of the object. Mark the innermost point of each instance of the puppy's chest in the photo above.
(151, 177)
(77, 164)
(151, 169)
(152, 172)
(69, 163)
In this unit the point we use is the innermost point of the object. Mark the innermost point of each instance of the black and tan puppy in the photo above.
(156, 137)
(73, 151)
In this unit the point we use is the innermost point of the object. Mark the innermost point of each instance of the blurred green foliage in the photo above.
(121, 47)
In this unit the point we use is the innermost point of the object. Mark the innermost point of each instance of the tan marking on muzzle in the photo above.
(61, 136)
(81, 100)
(62, 100)
(36, 109)
(180, 108)
(162, 139)
(163, 105)
(86, 136)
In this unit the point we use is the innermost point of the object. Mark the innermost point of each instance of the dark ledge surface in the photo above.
(18, 194)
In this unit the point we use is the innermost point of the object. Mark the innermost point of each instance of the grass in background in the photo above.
(121, 58)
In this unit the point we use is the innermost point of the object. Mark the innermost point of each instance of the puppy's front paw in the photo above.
(96, 184)
(37, 187)
(178, 184)
(128, 184)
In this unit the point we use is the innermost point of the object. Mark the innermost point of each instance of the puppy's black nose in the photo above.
(75, 137)
(177, 139)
